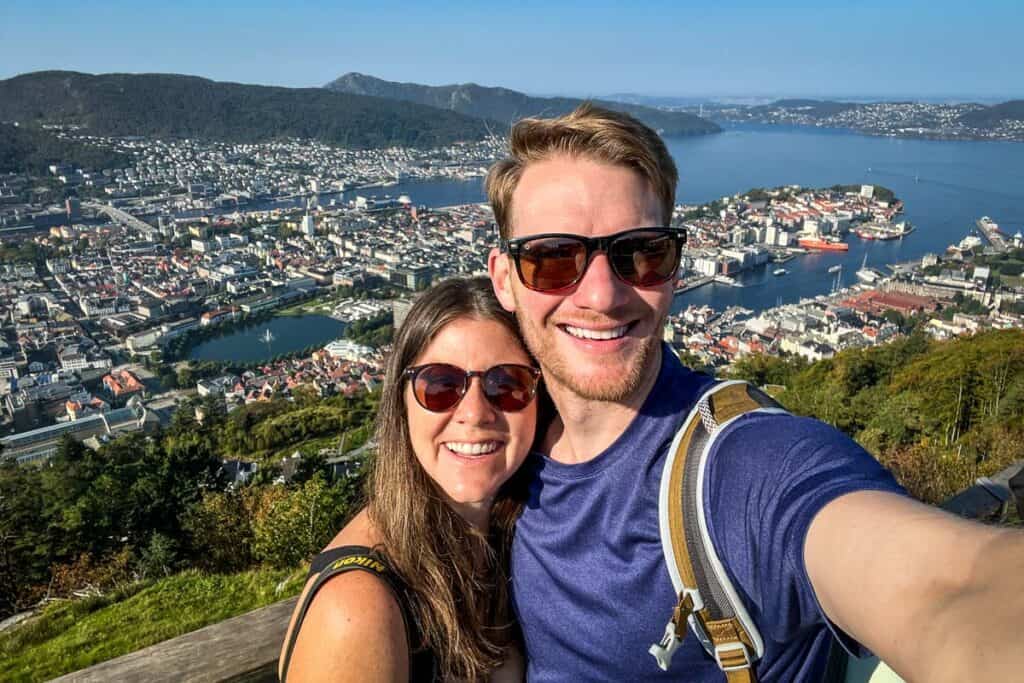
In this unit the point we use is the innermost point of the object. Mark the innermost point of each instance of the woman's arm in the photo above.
(353, 631)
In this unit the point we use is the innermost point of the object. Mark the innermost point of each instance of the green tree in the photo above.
(300, 523)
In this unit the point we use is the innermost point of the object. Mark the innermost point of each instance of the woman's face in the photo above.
(471, 449)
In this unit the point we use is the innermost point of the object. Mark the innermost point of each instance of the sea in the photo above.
(945, 185)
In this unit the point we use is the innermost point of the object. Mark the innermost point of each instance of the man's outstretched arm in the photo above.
(936, 597)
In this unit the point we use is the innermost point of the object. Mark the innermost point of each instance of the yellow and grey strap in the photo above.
(708, 602)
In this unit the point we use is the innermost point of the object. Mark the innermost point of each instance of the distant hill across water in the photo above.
(1012, 110)
(981, 117)
(169, 105)
(504, 106)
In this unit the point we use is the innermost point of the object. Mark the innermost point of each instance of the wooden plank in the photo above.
(244, 648)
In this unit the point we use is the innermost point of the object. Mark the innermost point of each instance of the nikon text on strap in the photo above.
(708, 602)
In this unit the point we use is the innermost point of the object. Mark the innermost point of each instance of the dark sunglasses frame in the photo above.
(412, 373)
(514, 247)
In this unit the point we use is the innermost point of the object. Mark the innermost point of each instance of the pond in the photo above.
(287, 335)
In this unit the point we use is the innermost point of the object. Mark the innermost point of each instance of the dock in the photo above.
(991, 231)
(693, 283)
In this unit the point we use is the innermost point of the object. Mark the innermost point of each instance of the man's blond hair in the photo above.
(590, 132)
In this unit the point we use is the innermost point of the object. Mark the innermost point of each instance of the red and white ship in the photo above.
(822, 243)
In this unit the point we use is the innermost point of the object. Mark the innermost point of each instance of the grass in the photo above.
(322, 305)
(72, 635)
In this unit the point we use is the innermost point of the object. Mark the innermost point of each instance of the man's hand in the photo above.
(936, 597)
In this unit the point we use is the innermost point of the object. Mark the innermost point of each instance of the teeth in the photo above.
(472, 448)
(583, 333)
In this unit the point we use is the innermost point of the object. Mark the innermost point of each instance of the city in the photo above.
(102, 307)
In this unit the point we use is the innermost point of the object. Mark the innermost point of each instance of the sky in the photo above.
(892, 49)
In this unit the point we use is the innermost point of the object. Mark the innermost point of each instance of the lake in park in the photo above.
(288, 334)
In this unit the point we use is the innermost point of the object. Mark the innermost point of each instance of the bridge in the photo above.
(123, 217)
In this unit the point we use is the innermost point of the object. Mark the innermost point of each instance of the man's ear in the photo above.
(501, 278)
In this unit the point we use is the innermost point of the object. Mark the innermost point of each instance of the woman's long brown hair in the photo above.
(456, 573)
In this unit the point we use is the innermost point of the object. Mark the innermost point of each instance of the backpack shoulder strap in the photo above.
(708, 601)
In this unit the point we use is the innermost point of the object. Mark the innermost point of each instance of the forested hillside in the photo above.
(939, 414)
(33, 150)
(187, 106)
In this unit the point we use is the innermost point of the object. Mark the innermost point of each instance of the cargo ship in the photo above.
(822, 243)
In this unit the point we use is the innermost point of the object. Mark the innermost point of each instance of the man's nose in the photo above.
(600, 289)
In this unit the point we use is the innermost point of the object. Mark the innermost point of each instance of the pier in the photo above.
(693, 283)
(991, 231)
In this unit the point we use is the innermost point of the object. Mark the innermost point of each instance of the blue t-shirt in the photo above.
(589, 581)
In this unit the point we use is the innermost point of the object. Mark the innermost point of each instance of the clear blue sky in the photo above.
(891, 48)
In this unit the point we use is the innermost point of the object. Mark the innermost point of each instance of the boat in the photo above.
(835, 269)
(868, 276)
(779, 271)
(822, 243)
(883, 231)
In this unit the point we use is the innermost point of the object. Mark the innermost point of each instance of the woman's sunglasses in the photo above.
(439, 387)
(641, 257)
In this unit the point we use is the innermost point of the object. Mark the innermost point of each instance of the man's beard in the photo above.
(560, 370)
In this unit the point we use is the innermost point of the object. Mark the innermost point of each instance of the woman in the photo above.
(430, 601)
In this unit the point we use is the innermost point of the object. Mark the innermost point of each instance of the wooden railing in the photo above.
(245, 648)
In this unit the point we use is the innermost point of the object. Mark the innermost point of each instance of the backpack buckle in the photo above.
(732, 656)
(675, 630)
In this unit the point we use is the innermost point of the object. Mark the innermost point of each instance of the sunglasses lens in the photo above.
(551, 263)
(438, 387)
(645, 259)
(510, 387)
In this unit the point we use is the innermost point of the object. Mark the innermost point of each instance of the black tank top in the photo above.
(335, 561)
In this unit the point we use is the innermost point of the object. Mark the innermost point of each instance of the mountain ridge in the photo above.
(503, 105)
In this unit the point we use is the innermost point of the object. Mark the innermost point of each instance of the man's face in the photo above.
(584, 197)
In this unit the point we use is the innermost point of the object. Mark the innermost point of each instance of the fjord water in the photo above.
(945, 185)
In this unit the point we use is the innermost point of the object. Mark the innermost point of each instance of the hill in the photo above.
(816, 108)
(29, 149)
(505, 106)
(938, 414)
(989, 116)
(170, 105)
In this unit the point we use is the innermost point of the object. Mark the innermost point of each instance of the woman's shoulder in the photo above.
(350, 615)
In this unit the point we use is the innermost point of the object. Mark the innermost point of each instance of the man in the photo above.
(816, 536)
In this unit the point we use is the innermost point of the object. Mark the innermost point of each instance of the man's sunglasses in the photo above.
(641, 257)
(439, 387)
